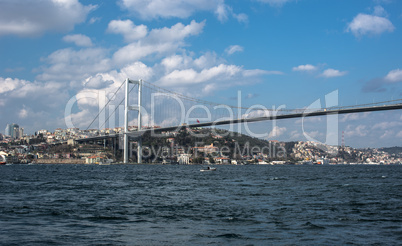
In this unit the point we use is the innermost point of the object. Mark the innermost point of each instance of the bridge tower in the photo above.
(127, 108)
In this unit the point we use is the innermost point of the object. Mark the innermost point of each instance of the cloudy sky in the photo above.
(278, 53)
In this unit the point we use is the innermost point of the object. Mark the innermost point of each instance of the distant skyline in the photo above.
(276, 52)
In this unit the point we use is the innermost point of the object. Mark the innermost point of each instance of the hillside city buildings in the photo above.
(60, 147)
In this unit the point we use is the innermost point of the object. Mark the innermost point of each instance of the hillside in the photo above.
(231, 144)
(397, 151)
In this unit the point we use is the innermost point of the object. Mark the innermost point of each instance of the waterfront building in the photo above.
(184, 159)
(222, 160)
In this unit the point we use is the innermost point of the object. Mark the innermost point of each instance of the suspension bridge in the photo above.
(161, 110)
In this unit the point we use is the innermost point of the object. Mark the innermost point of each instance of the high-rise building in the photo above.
(13, 130)
(7, 132)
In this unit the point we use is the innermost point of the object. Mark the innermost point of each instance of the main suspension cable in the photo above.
(158, 88)
(115, 109)
(110, 99)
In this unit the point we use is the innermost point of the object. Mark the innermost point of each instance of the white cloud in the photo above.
(9, 84)
(127, 28)
(295, 135)
(154, 9)
(206, 74)
(169, 122)
(394, 76)
(352, 117)
(190, 76)
(383, 1)
(13, 70)
(330, 73)
(251, 95)
(78, 39)
(359, 130)
(314, 134)
(276, 3)
(136, 51)
(259, 112)
(169, 8)
(387, 125)
(94, 19)
(307, 68)
(221, 72)
(240, 17)
(387, 134)
(97, 82)
(23, 113)
(75, 65)
(277, 131)
(364, 24)
(159, 41)
(35, 90)
(309, 120)
(380, 11)
(209, 88)
(32, 18)
(137, 70)
(45, 100)
(176, 62)
(81, 119)
(176, 33)
(209, 59)
(259, 72)
(399, 135)
(222, 12)
(234, 48)
(27, 90)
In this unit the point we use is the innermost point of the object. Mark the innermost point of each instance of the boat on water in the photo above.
(208, 169)
(3, 160)
(104, 163)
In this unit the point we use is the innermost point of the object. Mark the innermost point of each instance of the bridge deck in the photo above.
(249, 120)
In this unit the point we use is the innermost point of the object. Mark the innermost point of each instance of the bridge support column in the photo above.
(127, 107)
(139, 146)
(126, 123)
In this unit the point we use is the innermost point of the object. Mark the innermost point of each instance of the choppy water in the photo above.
(178, 205)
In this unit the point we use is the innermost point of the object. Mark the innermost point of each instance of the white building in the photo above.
(184, 159)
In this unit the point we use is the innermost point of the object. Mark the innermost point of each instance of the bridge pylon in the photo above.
(127, 108)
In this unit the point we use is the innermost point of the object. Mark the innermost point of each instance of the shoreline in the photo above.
(58, 161)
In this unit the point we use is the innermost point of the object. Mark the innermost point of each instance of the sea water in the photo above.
(179, 205)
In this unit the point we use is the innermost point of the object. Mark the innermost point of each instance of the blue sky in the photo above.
(276, 52)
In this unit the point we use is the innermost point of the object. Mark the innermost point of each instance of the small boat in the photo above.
(103, 163)
(3, 160)
(208, 169)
